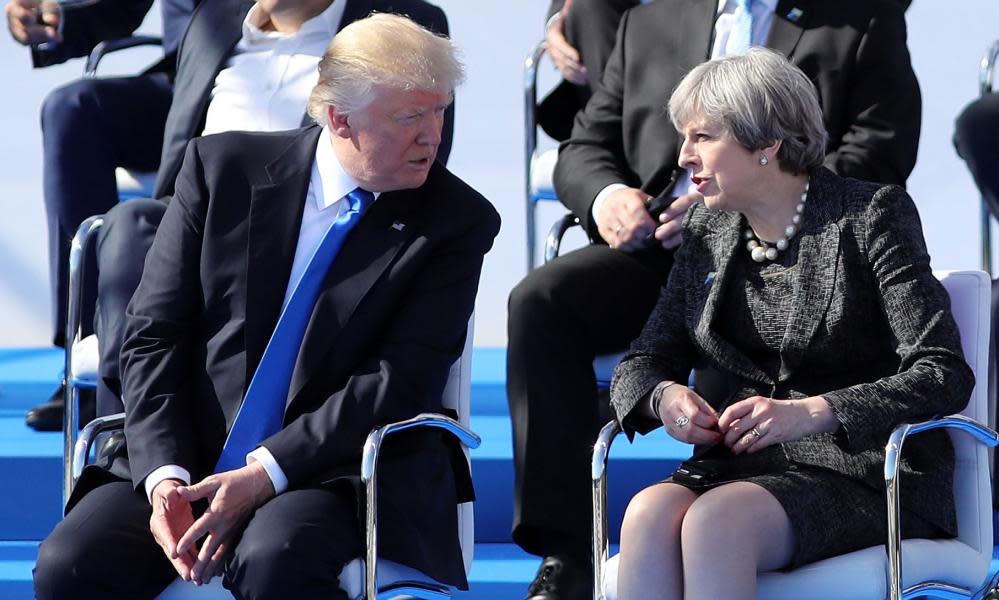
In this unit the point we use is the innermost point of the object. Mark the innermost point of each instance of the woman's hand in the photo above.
(752, 424)
(688, 417)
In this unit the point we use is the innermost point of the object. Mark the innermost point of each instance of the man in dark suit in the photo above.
(387, 318)
(91, 126)
(579, 36)
(206, 58)
(623, 152)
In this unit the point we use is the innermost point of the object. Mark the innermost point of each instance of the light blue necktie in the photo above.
(262, 411)
(741, 37)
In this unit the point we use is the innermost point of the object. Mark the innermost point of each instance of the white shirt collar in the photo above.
(326, 23)
(330, 183)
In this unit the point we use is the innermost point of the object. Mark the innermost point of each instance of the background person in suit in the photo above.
(91, 126)
(813, 295)
(622, 152)
(389, 318)
(238, 69)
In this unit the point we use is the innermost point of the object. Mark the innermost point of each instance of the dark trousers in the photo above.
(122, 244)
(294, 546)
(89, 127)
(589, 302)
(975, 136)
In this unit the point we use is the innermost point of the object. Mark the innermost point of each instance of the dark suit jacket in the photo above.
(870, 330)
(390, 319)
(86, 24)
(214, 31)
(854, 51)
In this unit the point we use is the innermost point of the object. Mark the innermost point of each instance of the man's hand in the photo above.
(624, 221)
(232, 496)
(32, 22)
(670, 229)
(172, 517)
(565, 57)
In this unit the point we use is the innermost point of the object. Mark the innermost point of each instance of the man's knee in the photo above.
(67, 106)
(60, 571)
(976, 125)
(124, 239)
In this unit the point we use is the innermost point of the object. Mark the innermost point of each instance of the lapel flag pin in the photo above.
(709, 279)
(795, 14)
(398, 226)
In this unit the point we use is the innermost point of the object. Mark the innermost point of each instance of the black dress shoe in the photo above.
(48, 416)
(562, 578)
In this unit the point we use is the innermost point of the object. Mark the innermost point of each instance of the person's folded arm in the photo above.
(882, 105)
(663, 351)
(157, 349)
(84, 25)
(933, 377)
(406, 369)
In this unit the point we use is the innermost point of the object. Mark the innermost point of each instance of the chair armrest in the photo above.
(598, 473)
(986, 69)
(893, 455)
(108, 46)
(87, 437)
(554, 241)
(369, 463)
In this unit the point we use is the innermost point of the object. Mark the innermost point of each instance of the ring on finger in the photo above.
(681, 421)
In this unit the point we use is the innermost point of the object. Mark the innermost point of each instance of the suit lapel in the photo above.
(818, 264)
(789, 22)
(724, 242)
(275, 220)
(372, 246)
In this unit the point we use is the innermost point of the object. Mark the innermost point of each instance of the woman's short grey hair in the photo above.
(382, 50)
(759, 98)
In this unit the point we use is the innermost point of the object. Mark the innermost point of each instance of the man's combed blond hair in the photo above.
(382, 50)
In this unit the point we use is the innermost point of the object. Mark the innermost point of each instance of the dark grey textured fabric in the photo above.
(869, 329)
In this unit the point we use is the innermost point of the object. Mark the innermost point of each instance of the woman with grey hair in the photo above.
(810, 299)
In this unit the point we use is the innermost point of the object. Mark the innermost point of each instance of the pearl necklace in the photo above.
(761, 250)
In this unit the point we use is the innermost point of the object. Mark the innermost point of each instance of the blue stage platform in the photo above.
(30, 475)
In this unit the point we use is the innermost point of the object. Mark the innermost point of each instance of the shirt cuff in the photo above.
(598, 202)
(165, 472)
(271, 467)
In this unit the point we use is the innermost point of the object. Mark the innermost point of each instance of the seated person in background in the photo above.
(242, 66)
(370, 252)
(975, 137)
(579, 36)
(623, 151)
(812, 296)
(91, 126)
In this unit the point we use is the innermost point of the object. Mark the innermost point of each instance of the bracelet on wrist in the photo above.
(657, 395)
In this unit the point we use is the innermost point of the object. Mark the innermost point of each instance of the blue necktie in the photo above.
(262, 411)
(741, 37)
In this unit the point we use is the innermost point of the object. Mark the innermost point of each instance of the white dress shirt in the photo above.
(267, 80)
(763, 18)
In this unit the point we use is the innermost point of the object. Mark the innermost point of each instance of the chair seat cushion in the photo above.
(542, 168)
(860, 575)
(85, 360)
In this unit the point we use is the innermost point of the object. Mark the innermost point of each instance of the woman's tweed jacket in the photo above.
(870, 330)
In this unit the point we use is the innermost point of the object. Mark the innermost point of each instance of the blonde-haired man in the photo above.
(243, 239)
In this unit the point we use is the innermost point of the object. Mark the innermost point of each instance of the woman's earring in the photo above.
(764, 160)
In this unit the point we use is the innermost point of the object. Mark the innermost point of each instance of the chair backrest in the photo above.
(458, 396)
(970, 298)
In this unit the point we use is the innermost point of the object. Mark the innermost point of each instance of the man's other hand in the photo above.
(232, 497)
(565, 57)
(32, 22)
(624, 221)
(670, 229)
(172, 516)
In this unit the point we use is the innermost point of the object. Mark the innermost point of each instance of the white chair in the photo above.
(364, 577)
(952, 568)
